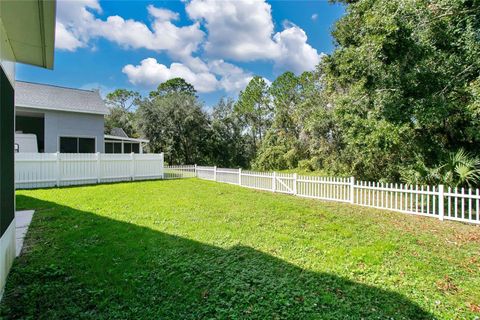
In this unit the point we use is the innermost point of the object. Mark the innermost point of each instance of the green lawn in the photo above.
(193, 249)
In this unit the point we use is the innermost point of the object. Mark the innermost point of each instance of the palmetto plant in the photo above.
(461, 169)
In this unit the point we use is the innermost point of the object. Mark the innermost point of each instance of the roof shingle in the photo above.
(49, 97)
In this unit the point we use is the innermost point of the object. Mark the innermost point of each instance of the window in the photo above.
(77, 145)
(116, 147)
(127, 147)
(86, 145)
(68, 145)
(113, 147)
(136, 147)
(108, 147)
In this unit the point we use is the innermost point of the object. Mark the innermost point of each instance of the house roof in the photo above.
(120, 135)
(118, 132)
(111, 137)
(50, 97)
(30, 28)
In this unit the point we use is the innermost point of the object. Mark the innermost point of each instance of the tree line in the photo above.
(397, 100)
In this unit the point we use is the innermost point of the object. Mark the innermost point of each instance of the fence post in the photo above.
(57, 158)
(132, 165)
(162, 156)
(215, 173)
(352, 189)
(239, 176)
(295, 184)
(441, 208)
(99, 175)
(274, 181)
(195, 172)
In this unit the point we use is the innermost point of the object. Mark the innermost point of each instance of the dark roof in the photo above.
(50, 97)
(118, 132)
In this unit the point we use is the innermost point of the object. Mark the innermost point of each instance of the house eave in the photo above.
(110, 137)
(60, 109)
(30, 28)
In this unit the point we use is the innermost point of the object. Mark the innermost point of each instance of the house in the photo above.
(27, 33)
(67, 120)
(63, 119)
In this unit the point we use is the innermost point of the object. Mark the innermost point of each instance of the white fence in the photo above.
(40, 170)
(177, 172)
(37, 170)
(458, 204)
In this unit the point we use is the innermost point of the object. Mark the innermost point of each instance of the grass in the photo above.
(192, 249)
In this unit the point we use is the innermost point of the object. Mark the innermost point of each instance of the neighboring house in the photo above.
(27, 33)
(118, 142)
(67, 120)
(63, 119)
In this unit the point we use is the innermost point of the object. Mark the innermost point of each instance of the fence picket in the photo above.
(469, 203)
(478, 205)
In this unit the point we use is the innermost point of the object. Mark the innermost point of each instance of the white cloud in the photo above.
(65, 40)
(239, 30)
(295, 53)
(232, 78)
(150, 73)
(244, 31)
(77, 25)
(73, 21)
(162, 14)
(314, 16)
(217, 75)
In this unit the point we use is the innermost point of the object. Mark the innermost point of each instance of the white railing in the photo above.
(451, 204)
(42, 170)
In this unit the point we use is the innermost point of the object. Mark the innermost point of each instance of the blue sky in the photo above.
(216, 45)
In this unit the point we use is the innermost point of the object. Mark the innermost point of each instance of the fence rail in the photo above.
(432, 201)
(42, 170)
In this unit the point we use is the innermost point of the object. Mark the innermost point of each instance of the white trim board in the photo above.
(7, 254)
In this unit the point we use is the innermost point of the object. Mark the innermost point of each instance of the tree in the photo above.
(280, 149)
(403, 82)
(254, 107)
(121, 104)
(176, 125)
(319, 132)
(175, 85)
(123, 99)
(229, 146)
(119, 118)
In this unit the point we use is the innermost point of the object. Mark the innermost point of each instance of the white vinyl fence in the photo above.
(177, 172)
(41, 170)
(443, 203)
(38, 170)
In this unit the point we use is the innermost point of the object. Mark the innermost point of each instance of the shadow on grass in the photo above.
(79, 265)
